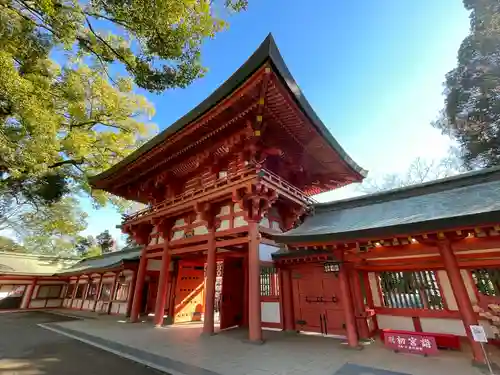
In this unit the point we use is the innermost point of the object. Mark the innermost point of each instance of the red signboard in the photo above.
(411, 343)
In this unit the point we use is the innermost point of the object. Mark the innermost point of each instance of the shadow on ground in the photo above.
(26, 349)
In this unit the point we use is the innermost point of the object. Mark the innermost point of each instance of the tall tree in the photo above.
(66, 112)
(472, 102)
(8, 244)
(420, 170)
(105, 241)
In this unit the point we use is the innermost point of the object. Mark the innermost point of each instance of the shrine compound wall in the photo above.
(446, 320)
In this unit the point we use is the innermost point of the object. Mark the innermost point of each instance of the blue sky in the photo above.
(372, 70)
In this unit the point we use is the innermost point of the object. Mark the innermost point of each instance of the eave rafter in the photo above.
(245, 90)
(418, 247)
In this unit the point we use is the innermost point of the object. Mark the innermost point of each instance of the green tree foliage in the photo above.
(472, 90)
(51, 229)
(8, 244)
(105, 242)
(87, 246)
(419, 171)
(67, 107)
(157, 42)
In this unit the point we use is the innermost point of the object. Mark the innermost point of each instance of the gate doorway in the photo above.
(317, 300)
(232, 293)
(11, 296)
(189, 293)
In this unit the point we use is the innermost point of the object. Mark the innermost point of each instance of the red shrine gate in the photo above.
(189, 297)
(218, 184)
(189, 292)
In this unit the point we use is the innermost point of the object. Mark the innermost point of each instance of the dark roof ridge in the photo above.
(113, 253)
(266, 51)
(434, 186)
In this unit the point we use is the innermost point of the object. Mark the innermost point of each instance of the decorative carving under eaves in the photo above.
(255, 201)
(208, 213)
(139, 232)
(292, 215)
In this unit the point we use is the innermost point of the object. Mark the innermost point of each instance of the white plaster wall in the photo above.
(372, 278)
(270, 312)
(239, 221)
(451, 326)
(437, 325)
(88, 304)
(37, 303)
(54, 303)
(154, 264)
(119, 308)
(404, 323)
(469, 286)
(448, 295)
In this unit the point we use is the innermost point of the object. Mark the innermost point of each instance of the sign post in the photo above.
(479, 335)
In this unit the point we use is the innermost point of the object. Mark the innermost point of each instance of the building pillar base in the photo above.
(484, 367)
(254, 342)
(208, 334)
(346, 345)
(167, 321)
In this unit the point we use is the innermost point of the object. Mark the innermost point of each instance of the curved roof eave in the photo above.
(266, 51)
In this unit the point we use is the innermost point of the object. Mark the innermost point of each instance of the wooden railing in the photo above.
(231, 180)
(286, 186)
(246, 174)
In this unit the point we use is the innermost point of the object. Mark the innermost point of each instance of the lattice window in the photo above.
(49, 291)
(269, 286)
(122, 290)
(69, 290)
(411, 290)
(487, 281)
(80, 291)
(92, 291)
(106, 292)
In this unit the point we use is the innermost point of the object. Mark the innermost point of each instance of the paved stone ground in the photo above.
(27, 349)
(182, 350)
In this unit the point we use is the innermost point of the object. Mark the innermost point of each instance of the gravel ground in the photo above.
(26, 349)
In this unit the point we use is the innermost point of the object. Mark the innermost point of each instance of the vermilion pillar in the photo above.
(346, 300)
(130, 296)
(245, 291)
(161, 296)
(139, 286)
(98, 291)
(286, 292)
(359, 304)
(85, 292)
(208, 321)
(113, 292)
(254, 313)
(29, 295)
(171, 297)
(464, 304)
(74, 292)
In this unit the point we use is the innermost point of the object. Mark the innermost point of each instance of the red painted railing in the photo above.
(246, 174)
(285, 186)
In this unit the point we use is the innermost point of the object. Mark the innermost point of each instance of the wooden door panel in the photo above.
(189, 298)
(232, 293)
(306, 296)
(335, 322)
